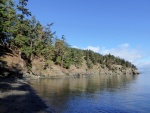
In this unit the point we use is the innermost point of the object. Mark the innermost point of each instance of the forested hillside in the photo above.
(23, 34)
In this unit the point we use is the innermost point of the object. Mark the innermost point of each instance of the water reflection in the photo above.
(63, 94)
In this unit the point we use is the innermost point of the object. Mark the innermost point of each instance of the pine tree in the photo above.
(7, 19)
(24, 12)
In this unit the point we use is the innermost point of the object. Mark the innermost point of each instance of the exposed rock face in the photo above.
(39, 68)
(57, 71)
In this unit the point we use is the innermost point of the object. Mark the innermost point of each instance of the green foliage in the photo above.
(21, 40)
(58, 60)
(7, 18)
(35, 40)
(76, 56)
(89, 64)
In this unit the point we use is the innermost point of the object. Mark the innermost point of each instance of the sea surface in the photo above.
(96, 94)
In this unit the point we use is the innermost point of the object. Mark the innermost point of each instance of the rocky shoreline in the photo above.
(17, 66)
(17, 96)
(39, 69)
(58, 72)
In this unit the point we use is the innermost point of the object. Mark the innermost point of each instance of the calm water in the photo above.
(97, 94)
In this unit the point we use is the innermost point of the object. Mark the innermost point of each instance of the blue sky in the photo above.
(119, 27)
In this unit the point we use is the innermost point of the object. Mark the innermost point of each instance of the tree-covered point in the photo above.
(25, 35)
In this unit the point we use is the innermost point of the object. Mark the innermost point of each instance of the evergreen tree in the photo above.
(7, 19)
(32, 40)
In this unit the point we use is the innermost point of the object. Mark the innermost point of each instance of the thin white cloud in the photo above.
(144, 64)
(125, 45)
(95, 49)
(123, 51)
(126, 52)
(75, 47)
(133, 55)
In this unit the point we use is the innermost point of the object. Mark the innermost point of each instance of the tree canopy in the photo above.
(27, 37)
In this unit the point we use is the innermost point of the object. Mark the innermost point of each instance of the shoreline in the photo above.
(18, 96)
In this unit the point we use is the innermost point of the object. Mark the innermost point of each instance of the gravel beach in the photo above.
(19, 97)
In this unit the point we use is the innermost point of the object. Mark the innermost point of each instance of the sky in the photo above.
(118, 27)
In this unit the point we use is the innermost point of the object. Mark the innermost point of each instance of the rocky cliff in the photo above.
(39, 68)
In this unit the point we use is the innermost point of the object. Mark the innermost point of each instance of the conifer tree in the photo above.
(7, 19)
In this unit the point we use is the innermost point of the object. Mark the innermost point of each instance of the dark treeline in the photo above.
(25, 35)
